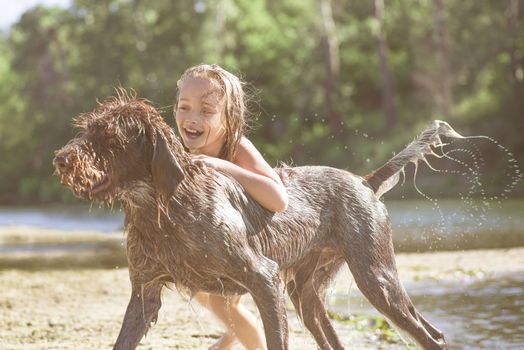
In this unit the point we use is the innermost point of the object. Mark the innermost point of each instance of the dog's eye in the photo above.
(110, 131)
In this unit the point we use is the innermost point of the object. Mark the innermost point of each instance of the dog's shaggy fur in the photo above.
(196, 227)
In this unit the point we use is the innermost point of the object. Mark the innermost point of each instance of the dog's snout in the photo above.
(60, 163)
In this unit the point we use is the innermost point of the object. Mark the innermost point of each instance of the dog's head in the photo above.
(123, 141)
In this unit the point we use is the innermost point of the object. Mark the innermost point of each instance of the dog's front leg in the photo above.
(267, 291)
(141, 311)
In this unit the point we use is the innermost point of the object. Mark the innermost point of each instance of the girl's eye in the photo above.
(182, 108)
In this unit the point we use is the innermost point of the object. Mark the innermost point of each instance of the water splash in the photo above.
(471, 174)
(512, 168)
(469, 164)
(197, 313)
(433, 201)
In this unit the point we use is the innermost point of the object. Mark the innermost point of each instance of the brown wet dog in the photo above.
(195, 227)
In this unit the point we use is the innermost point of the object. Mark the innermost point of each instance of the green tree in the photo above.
(317, 79)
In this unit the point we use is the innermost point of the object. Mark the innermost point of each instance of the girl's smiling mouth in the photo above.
(192, 133)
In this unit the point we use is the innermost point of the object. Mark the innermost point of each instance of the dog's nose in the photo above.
(60, 163)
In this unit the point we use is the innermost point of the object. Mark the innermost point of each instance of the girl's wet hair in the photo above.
(232, 92)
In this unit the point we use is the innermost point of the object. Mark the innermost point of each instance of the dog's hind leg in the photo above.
(435, 333)
(142, 310)
(372, 263)
(307, 291)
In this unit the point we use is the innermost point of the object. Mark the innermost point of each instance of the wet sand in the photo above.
(82, 307)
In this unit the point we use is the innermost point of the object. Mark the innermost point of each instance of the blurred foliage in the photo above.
(462, 61)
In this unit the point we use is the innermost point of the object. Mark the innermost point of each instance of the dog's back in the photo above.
(325, 206)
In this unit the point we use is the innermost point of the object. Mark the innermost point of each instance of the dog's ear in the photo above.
(167, 173)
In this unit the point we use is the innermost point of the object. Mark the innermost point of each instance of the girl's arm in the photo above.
(254, 174)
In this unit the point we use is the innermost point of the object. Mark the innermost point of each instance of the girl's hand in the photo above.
(210, 162)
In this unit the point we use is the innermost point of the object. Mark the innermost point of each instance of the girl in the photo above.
(211, 119)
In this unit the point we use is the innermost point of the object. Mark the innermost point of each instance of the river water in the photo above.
(474, 314)
(418, 225)
(65, 218)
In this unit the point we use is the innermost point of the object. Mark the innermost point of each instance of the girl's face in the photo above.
(200, 116)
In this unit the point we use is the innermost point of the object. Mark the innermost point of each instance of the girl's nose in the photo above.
(192, 117)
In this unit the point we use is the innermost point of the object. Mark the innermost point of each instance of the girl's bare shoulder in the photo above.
(247, 153)
(250, 158)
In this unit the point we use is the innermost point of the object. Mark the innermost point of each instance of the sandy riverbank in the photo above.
(82, 308)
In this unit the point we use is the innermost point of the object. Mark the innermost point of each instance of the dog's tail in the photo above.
(386, 177)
